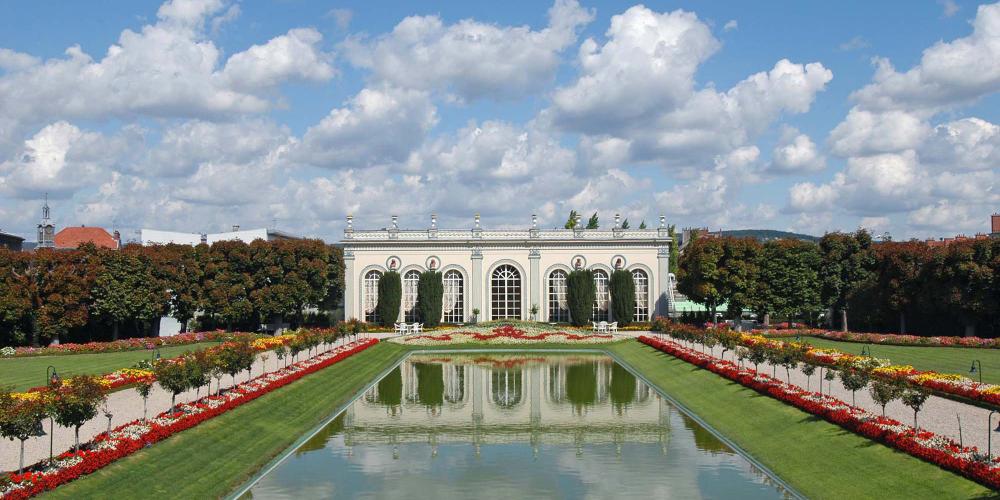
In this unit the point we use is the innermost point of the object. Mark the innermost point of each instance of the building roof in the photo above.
(10, 237)
(73, 237)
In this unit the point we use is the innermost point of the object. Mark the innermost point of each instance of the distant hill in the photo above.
(768, 234)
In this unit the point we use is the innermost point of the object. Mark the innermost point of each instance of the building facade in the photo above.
(158, 237)
(504, 274)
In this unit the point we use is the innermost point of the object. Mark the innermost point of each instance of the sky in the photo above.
(196, 115)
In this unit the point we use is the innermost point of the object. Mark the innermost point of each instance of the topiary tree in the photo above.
(885, 391)
(76, 402)
(854, 380)
(622, 296)
(21, 418)
(172, 376)
(430, 294)
(580, 296)
(390, 295)
(915, 399)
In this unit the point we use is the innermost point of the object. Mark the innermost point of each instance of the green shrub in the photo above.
(622, 297)
(430, 294)
(390, 296)
(580, 296)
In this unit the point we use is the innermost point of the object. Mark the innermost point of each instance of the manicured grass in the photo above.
(25, 373)
(212, 459)
(939, 359)
(817, 458)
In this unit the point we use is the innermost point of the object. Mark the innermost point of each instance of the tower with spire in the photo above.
(46, 229)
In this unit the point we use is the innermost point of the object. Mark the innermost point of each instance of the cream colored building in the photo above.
(504, 272)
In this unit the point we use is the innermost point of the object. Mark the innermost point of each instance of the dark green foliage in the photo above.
(848, 262)
(622, 388)
(390, 296)
(430, 293)
(593, 222)
(390, 389)
(625, 223)
(622, 288)
(581, 385)
(580, 295)
(430, 384)
(571, 221)
(642, 224)
(788, 281)
(675, 255)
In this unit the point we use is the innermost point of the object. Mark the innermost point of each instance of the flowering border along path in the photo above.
(131, 437)
(883, 338)
(505, 335)
(925, 445)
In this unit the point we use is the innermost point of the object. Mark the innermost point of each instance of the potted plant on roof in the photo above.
(534, 312)
(475, 315)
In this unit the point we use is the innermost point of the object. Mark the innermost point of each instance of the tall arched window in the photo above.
(641, 294)
(506, 387)
(454, 298)
(411, 280)
(558, 308)
(602, 297)
(370, 287)
(505, 299)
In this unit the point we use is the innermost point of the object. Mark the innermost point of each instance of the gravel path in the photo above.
(124, 406)
(938, 415)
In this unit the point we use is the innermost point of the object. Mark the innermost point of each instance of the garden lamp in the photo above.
(866, 351)
(156, 355)
(973, 369)
(53, 379)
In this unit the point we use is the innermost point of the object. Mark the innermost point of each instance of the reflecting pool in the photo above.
(512, 426)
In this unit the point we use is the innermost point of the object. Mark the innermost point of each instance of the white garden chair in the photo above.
(613, 327)
(417, 328)
(400, 328)
(602, 327)
(595, 328)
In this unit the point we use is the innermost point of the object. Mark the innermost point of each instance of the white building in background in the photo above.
(504, 273)
(157, 237)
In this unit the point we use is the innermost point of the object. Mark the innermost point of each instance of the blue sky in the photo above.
(198, 114)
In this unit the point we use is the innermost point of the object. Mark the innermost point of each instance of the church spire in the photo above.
(46, 229)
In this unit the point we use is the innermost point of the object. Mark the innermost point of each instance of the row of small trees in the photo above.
(81, 294)
(855, 375)
(943, 288)
(581, 293)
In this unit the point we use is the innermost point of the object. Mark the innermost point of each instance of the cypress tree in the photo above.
(430, 293)
(580, 296)
(390, 295)
(622, 296)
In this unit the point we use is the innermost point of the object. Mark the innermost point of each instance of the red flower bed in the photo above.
(105, 448)
(886, 338)
(509, 332)
(925, 445)
(133, 344)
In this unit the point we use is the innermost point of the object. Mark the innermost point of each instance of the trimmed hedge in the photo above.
(430, 294)
(390, 296)
(580, 296)
(622, 296)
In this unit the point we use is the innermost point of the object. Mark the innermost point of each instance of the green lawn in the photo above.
(939, 359)
(821, 460)
(25, 373)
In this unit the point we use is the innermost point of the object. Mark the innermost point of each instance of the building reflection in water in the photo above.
(564, 399)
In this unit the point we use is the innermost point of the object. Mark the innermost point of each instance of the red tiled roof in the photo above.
(72, 237)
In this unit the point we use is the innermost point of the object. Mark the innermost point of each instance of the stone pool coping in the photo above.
(595, 349)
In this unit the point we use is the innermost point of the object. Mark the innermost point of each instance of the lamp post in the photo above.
(155, 355)
(53, 381)
(866, 350)
(974, 370)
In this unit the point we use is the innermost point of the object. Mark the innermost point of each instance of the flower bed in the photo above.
(133, 436)
(134, 344)
(888, 338)
(924, 445)
(504, 335)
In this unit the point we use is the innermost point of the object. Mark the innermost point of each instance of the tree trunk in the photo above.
(144, 408)
(114, 330)
(20, 464)
(34, 333)
(902, 322)
(767, 320)
(843, 320)
(76, 438)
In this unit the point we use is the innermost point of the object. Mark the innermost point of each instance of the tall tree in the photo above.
(642, 224)
(289, 275)
(334, 278)
(622, 288)
(390, 296)
(900, 275)
(675, 254)
(848, 262)
(571, 221)
(738, 272)
(180, 269)
(964, 277)
(126, 290)
(593, 222)
(787, 283)
(430, 293)
(228, 282)
(699, 273)
(581, 292)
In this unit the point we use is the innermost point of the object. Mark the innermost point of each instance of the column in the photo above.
(662, 307)
(476, 287)
(350, 288)
(534, 282)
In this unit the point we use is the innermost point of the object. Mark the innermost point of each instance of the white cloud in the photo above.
(855, 43)
(944, 217)
(58, 159)
(292, 56)
(377, 126)
(949, 73)
(795, 153)
(184, 147)
(948, 7)
(470, 59)
(963, 145)
(809, 197)
(867, 133)
(342, 17)
(731, 25)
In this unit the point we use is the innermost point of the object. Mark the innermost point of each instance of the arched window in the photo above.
(454, 298)
(506, 387)
(558, 308)
(641, 294)
(602, 297)
(411, 280)
(505, 301)
(370, 288)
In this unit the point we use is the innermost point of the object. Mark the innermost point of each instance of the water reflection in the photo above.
(459, 426)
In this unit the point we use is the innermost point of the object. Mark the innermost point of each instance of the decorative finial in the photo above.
(663, 222)
(350, 221)
(477, 221)
(395, 222)
(534, 221)
(618, 221)
(434, 221)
